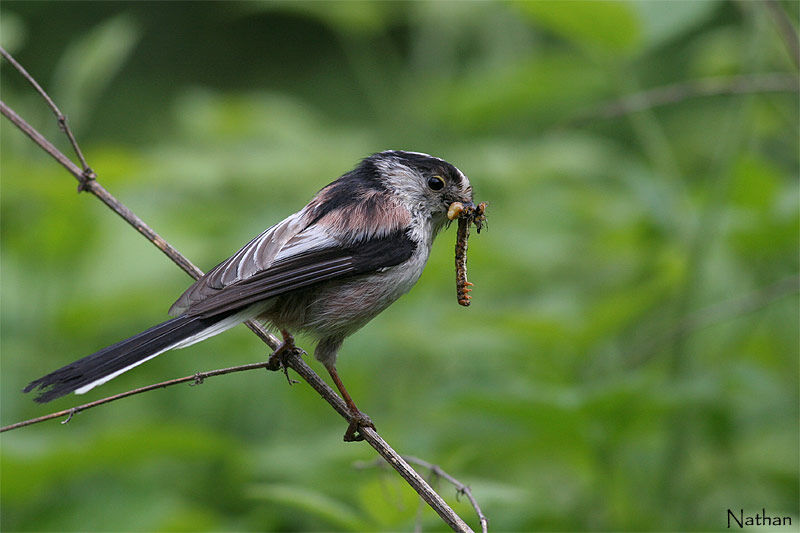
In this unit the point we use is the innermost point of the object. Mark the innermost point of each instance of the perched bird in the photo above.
(328, 269)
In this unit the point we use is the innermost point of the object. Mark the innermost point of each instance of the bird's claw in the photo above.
(277, 359)
(358, 420)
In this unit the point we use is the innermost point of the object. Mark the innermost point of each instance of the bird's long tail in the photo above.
(106, 364)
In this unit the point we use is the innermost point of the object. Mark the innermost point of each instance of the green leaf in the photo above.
(357, 16)
(88, 66)
(388, 500)
(12, 32)
(662, 21)
(335, 512)
(613, 26)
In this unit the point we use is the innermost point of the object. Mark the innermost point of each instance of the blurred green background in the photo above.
(630, 361)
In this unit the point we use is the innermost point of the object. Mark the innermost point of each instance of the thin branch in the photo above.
(100, 192)
(437, 471)
(786, 29)
(296, 363)
(62, 120)
(90, 184)
(679, 92)
(197, 378)
(460, 487)
(293, 360)
(417, 482)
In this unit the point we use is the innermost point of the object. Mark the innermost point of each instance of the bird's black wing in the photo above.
(321, 260)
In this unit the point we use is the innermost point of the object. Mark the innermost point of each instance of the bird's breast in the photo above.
(342, 307)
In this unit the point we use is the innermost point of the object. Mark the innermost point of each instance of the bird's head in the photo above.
(427, 184)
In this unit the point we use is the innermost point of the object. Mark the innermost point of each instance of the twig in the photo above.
(679, 92)
(436, 470)
(786, 29)
(62, 120)
(94, 187)
(195, 378)
(296, 363)
(460, 487)
(293, 361)
(100, 192)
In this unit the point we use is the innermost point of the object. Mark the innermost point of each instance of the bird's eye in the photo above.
(436, 183)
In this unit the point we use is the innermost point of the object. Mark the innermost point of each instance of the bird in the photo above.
(326, 270)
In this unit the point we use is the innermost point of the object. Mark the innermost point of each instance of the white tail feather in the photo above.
(215, 329)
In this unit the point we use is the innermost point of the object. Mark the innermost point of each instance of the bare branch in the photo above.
(460, 487)
(679, 92)
(62, 120)
(90, 184)
(437, 471)
(100, 192)
(195, 378)
(786, 29)
(294, 361)
(39, 139)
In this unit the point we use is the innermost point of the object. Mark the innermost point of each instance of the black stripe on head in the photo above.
(428, 165)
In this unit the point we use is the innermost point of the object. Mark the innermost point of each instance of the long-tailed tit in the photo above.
(326, 270)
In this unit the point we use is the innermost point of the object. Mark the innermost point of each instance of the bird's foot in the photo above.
(277, 359)
(358, 420)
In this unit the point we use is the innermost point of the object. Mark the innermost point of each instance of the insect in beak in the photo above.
(457, 208)
(467, 214)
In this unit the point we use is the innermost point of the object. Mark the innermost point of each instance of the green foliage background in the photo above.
(630, 361)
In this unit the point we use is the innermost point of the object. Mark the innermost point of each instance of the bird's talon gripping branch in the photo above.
(358, 420)
(277, 359)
